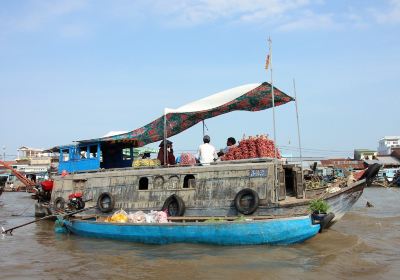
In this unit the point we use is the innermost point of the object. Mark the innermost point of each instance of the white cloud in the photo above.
(392, 15)
(309, 21)
(72, 17)
(74, 30)
(355, 20)
(45, 12)
(205, 11)
(286, 15)
(35, 14)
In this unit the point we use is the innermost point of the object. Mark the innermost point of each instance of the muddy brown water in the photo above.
(365, 244)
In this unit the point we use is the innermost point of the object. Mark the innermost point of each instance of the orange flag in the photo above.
(267, 62)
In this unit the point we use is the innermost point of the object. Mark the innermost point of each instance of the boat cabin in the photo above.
(93, 156)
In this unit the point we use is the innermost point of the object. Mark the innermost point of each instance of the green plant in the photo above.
(240, 219)
(318, 205)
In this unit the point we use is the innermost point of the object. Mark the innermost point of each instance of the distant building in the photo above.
(35, 163)
(27, 152)
(364, 154)
(339, 167)
(33, 156)
(387, 143)
(343, 163)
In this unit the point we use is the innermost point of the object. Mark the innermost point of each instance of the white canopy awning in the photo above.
(215, 100)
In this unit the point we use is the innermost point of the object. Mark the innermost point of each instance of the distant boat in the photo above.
(274, 231)
(388, 177)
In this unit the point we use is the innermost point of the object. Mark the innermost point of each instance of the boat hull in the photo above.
(339, 203)
(203, 191)
(282, 231)
(342, 203)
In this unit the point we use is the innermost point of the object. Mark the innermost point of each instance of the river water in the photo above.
(365, 244)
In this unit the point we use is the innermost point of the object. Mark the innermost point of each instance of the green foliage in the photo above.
(240, 219)
(318, 205)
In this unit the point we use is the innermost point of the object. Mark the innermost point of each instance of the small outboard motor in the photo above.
(75, 201)
(42, 192)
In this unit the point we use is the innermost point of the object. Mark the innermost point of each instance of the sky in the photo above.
(72, 70)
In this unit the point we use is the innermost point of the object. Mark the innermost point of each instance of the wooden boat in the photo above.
(274, 231)
(250, 187)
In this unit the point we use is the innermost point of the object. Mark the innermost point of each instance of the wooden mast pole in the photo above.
(298, 129)
(273, 120)
(165, 137)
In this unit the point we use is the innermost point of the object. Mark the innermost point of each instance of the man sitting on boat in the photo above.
(170, 154)
(229, 143)
(206, 153)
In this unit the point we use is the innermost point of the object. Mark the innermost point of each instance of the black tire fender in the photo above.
(371, 173)
(174, 206)
(326, 221)
(59, 203)
(105, 202)
(250, 207)
(80, 204)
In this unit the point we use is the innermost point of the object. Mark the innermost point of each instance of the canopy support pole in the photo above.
(165, 137)
(298, 130)
(204, 128)
(276, 183)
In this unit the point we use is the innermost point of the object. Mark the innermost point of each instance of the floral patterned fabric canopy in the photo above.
(252, 97)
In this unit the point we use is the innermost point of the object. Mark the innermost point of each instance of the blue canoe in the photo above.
(276, 231)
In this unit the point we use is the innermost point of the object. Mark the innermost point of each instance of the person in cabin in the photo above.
(83, 154)
(206, 153)
(146, 156)
(229, 143)
(170, 154)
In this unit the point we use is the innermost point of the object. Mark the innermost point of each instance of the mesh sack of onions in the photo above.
(252, 147)
(187, 159)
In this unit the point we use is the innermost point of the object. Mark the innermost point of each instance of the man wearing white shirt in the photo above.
(207, 152)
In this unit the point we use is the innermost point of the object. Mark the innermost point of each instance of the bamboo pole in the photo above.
(276, 185)
(10, 230)
(165, 137)
(298, 131)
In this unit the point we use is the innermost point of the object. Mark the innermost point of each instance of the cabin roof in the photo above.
(25, 148)
(365, 151)
(384, 160)
(343, 163)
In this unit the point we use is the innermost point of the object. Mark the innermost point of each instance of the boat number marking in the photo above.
(258, 173)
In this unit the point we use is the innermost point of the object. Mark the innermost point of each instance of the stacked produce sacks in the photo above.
(138, 163)
(187, 159)
(138, 217)
(252, 147)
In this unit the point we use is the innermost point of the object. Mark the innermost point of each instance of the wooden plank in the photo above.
(233, 218)
(282, 184)
(299, 185)
(87, 217)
